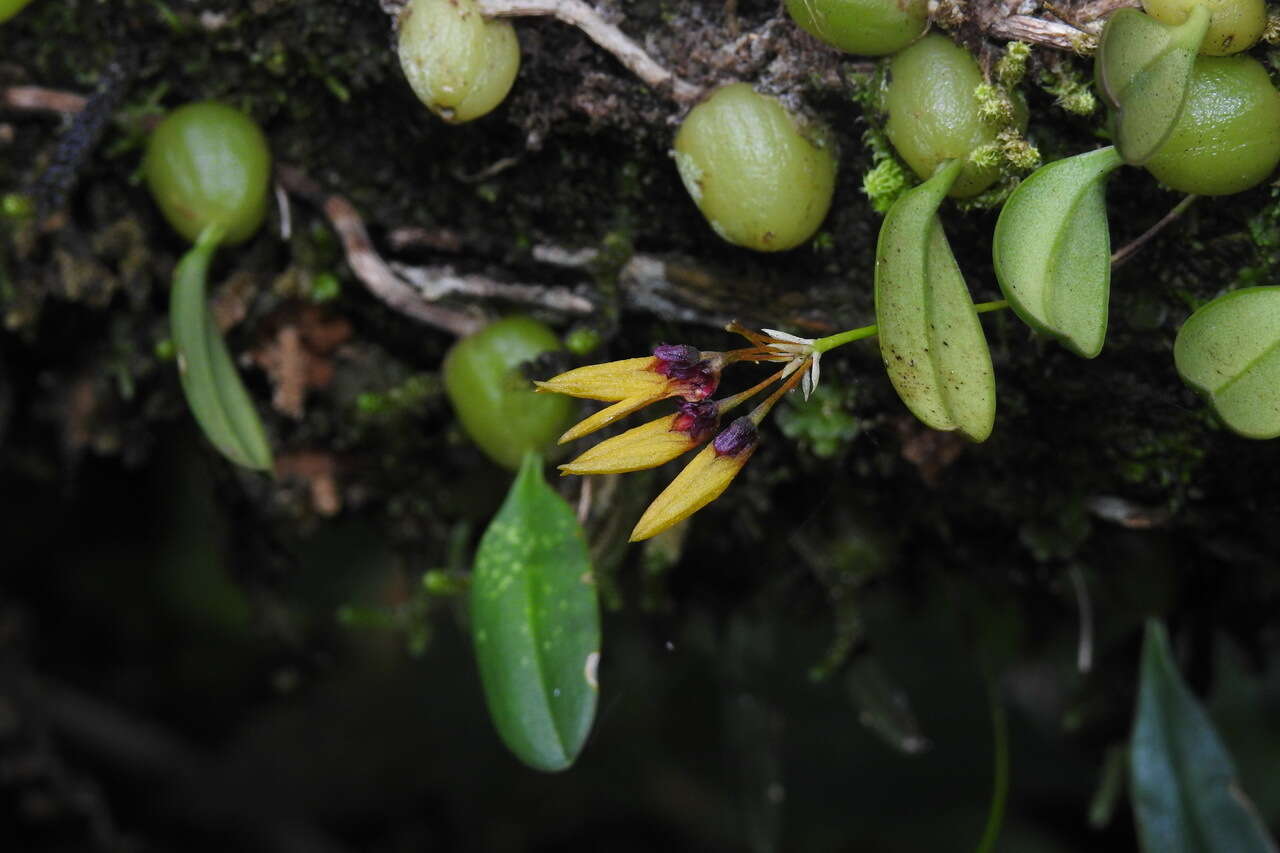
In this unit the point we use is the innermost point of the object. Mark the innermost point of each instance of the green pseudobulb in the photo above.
(867, 27)
(1228, 136)
(460, 64)
(759, 178)
(933, 112)
(208, 164)
(493, 399)
(1234, 25)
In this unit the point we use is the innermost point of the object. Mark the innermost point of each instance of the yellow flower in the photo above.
(651, 444)
(702, 480)
(674, 370)
(686, 372)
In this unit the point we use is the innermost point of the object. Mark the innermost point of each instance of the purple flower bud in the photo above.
(676, 357)
(737, 437)
(697, 419)
(685, 364)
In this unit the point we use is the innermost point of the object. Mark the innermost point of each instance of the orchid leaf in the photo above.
(536, 623)
(1143, 68)
(1182, 781)
(1229, 351)
(930, 338)
(1052, 250)
(214, 391)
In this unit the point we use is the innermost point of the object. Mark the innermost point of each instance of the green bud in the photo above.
(1228, 136)
(325, 287)
(445, 583)
(885, 183)
(935, 114)
(208, 164)
(993, 105)
(16, 206)
(9, 8)
(496, 404)
(868, 27)
(1234, 25)
(460, 64)
(758, 179)
(1011, 67)
(582, 340)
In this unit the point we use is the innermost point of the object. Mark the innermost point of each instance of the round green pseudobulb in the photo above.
(459, 64)
(495, 402)
(9, 8)
(1228, 136)
(867, 27)
(933, 112)
(758, 179)
(1234, 25)
(208, 164)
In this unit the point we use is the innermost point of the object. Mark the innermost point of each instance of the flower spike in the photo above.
(661, 440)
(710, 472)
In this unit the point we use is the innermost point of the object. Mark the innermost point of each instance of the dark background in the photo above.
(174, 674)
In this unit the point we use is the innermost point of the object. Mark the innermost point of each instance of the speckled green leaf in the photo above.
(1143, 68)
(930, 338)
(1052, 250)
(1182, 782)
(1229, 351)
(214, 392)
(536, 623)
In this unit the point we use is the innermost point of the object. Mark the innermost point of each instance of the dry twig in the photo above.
(368, 265)
(578, 14)
(40, 99)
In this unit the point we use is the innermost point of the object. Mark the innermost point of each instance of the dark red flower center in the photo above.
(697, 419)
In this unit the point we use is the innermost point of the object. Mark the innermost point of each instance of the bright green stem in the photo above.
(1000, 782)
(839, 339)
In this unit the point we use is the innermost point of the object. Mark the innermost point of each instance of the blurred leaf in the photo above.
(217, 397)
(1181, 779)
(1052, 250)
(1229, 351)
(536, 623)
(930, 338)
(883, 707)
(1143, 69)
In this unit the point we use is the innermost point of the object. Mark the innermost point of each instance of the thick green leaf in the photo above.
(930, 338)
(1229, 351)
(214, 392)
(1182, 781)
(1143, 68)
(536, 623)
(1052, 250)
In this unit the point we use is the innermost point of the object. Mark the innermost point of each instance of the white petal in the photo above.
(783, 336)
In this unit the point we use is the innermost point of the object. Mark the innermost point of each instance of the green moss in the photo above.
(824, 424)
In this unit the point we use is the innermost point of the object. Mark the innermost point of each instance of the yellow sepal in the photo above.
(611, 381)
(646, 446)
(604, 417)
(703, 480)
